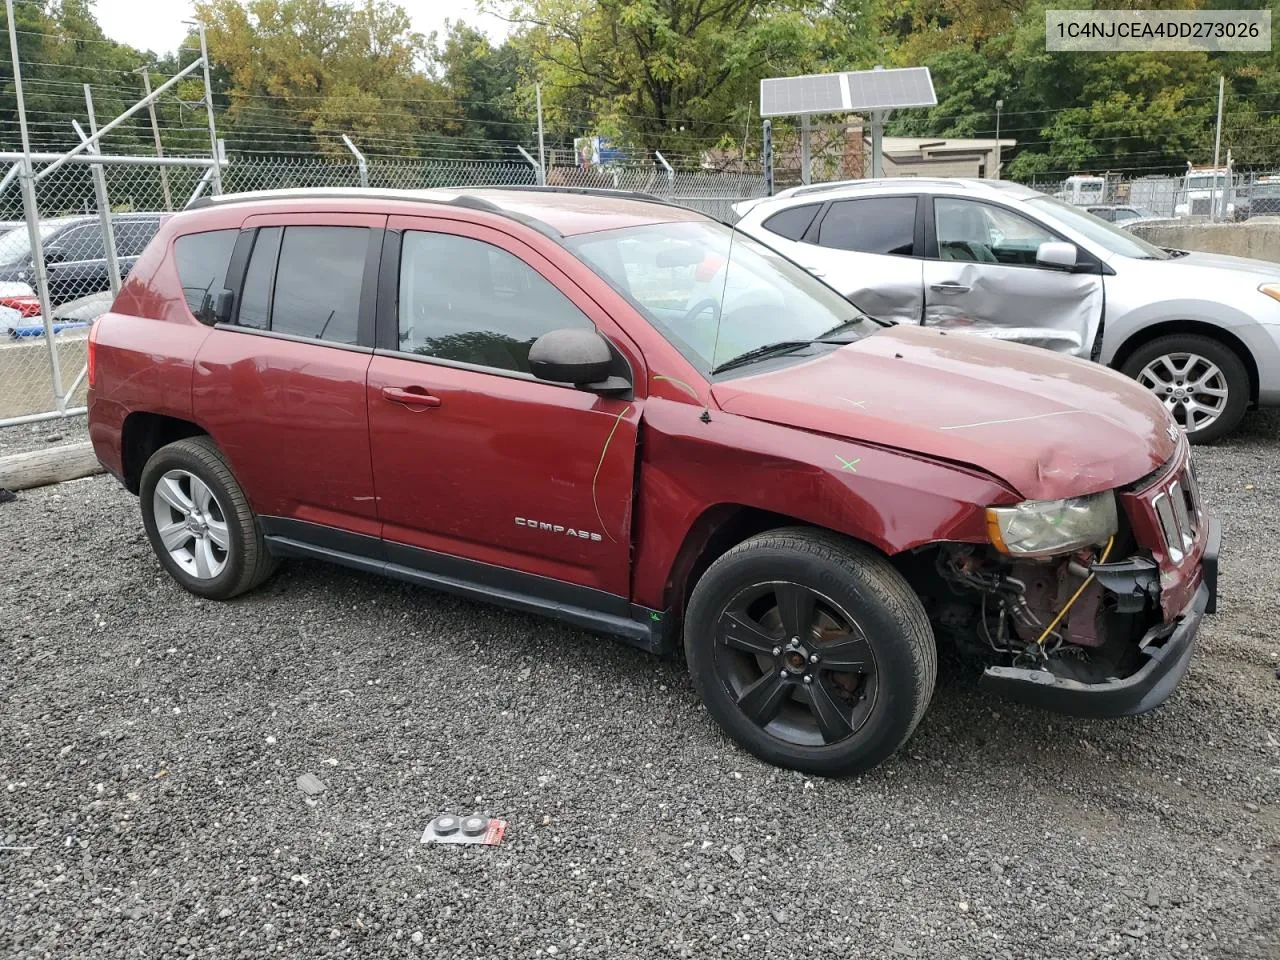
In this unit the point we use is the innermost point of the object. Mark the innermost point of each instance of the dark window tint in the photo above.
(132, 236)
(466, 300)
(793, 222)
(873, 225)
(255, 299)
(82, 242)
(317, 292)
(202, 260)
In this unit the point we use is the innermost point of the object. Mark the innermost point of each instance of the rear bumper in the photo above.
(1167, 647)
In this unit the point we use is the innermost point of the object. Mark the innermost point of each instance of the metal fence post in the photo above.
(537, 170)
(767, 159)
(671, 174)
(155, 132)
(215, 182)
(104, 204)
(364, 167)
(33, 215)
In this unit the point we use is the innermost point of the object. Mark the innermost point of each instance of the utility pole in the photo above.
(155, 130)
(1217, 146)
(999, 107)
(542, 158)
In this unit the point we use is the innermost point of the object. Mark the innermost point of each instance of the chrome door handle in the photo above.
(949, 287)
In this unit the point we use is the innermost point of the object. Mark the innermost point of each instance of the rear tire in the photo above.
(1202, 382)
(811, 651)
(199, 521)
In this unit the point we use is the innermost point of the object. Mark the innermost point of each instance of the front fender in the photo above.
(890, 499)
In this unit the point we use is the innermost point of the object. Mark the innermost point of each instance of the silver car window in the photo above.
(1099, 231)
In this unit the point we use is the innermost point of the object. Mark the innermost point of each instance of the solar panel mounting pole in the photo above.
(877, 143)
(806, 175)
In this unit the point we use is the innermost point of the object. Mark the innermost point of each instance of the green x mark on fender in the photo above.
(850, 465)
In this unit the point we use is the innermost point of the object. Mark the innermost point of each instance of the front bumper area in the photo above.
(1168, 648)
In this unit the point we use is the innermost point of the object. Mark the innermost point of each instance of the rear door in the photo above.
(475, 459)
(981, 277)
(866, 248)
(281, 388)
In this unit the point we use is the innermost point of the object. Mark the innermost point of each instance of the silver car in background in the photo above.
(1002, 260)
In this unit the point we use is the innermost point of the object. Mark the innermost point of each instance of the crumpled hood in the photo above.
(1048, 425)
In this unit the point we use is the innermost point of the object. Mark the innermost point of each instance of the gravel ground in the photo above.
(150, 744)
(37, 436)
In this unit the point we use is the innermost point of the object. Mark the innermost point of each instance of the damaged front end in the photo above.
(1102, 628)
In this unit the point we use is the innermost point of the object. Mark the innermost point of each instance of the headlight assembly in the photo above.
(1040, 528)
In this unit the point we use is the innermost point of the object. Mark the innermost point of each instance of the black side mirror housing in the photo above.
(222, 305)
(580, 357)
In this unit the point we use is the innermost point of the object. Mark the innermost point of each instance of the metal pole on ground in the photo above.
(155, 131)
(542, 156)
(215, 183)
(33, 215)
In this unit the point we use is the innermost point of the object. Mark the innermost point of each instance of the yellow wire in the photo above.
(1106, 551)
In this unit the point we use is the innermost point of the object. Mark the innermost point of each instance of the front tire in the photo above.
(1202, 382)
(199, 521)
(811, 651)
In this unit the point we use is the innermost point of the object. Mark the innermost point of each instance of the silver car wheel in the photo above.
(1193, 388)
(191, 524)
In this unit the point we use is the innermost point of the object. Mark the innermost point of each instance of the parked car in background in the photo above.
(1001, 260)
(1264, 197)
(626, 415)
(1121, 213)
(74, 253)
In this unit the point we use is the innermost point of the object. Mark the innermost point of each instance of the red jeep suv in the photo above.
(617, 411)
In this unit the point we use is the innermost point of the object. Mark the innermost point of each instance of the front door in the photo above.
(474, 458)
(981, 277)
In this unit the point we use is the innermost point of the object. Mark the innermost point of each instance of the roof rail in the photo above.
(585, 191)
(366, 193)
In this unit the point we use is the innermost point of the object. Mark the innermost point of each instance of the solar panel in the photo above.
(839, 92)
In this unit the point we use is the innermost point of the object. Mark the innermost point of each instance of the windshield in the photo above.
(1206, 182)
(675, 274)
(1098, 230)
(15, 244)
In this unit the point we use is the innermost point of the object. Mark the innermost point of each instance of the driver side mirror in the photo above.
(580, 357)
(1060, 256)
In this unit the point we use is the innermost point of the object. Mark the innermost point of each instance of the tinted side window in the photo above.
(132, 236)
(873, 225)
(317, 290)
(255, 299)
(201, 259)
(82, 242)
(793, 222)
(466, 300)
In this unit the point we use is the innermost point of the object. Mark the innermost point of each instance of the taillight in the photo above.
(91, 354)
(28, 306)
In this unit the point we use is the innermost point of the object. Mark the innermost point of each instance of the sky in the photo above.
(157, 24)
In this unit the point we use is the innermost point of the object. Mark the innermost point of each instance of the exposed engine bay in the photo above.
(1080, 616)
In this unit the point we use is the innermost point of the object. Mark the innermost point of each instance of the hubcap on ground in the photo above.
(797, 664)
(191, 524)
(1192, 387)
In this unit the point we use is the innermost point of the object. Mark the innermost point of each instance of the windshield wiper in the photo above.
(759, 353)
(829, 335)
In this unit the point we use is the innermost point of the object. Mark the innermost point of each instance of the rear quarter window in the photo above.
(792, 222)
(202, 260)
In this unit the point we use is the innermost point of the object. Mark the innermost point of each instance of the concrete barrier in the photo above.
(1258, 239)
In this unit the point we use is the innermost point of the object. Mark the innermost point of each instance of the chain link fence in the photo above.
(42, 364)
